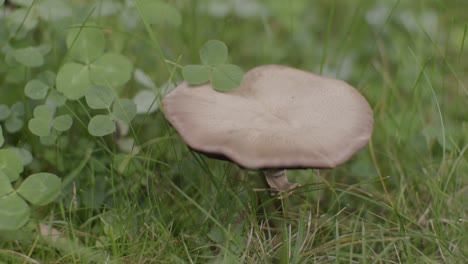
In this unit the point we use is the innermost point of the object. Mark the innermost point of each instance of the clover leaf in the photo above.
(40, 188)
(91, 65)
(101, 125)
(14, 212)
(100, 97)
(124, 110)
(223, 77)
(14, 121)
(111, 69)
(36, 89)
(4, 112)
(11, 164)
(53, 10)
(30, 57)
(196, 74)
(226, 77)
(40, 124)
(85, 43)
(73, 80)
(43, 121)
(56, 98)
(5, 184)
(43, 111)
(214, 52)
(157, 12)
(62, 123)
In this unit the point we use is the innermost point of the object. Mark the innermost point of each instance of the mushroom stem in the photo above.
(278, 180)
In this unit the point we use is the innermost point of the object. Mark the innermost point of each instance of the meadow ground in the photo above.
(402, 199)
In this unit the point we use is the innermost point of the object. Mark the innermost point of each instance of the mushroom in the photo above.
(279, 118)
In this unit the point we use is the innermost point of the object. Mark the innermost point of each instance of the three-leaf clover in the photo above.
(91, 65)
(43, 121)
(223, 76)
(37, 189)
(13, 117)
(102, 97)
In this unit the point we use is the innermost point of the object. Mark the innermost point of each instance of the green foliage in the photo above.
(30, 57)
(62, 123)
(43, 121)
(158, 12)
(13, 117)
(86, 43)
(73, 80)
(226, 77)
(53, 10)
(36, 89)
(196, 74)
(27, 14)
(5, 185)
(24, 154)
(124, 110)
(101, 125)
(40, 124)
(19, 22)
(100, 97)
(14, 211)
(11, 164)
(24, 3)
(213, 55)
(141, 195)
(92, 66)
(214, 52)
(56, 98)
(40, 188)
(111, 69)
(20, 59)
(4, 112)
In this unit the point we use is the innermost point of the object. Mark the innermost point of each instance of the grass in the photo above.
(402, 199)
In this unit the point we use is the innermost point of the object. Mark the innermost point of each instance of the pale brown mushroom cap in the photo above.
(279, 117)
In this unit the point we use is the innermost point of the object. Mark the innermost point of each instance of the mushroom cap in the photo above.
(279, 117)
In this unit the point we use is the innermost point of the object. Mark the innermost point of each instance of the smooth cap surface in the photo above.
(279, 117)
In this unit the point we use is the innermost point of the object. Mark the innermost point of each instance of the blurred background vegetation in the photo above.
(403, 199)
